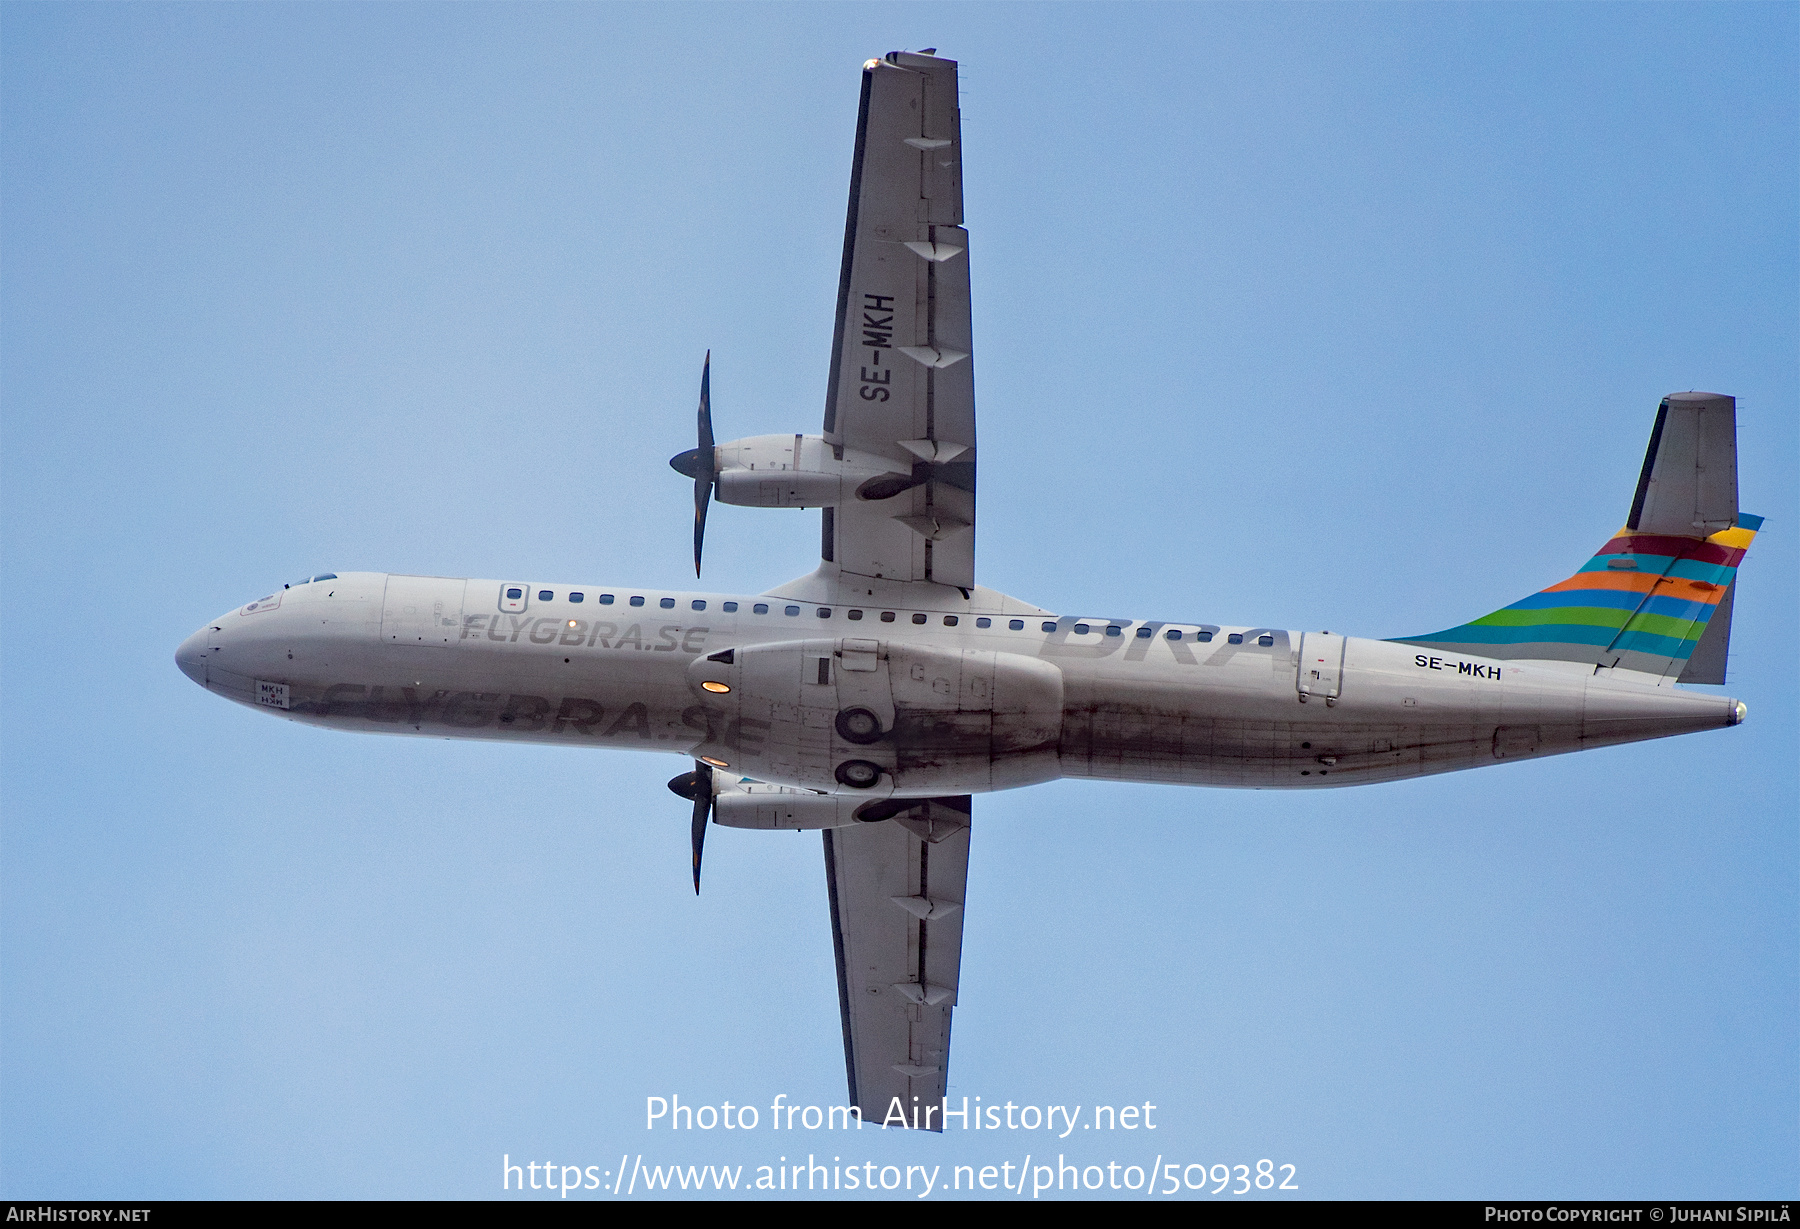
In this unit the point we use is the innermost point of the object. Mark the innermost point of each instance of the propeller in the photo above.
(700, 465)
(697, 786)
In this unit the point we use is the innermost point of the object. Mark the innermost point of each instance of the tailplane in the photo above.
(1656, 598)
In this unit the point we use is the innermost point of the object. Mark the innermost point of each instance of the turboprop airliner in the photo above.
(874, 698)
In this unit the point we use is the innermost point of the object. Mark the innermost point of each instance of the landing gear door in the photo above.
(1321, 665)
(862, 680)
(422, 611)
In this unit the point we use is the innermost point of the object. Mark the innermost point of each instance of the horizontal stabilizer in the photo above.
(1688, 488)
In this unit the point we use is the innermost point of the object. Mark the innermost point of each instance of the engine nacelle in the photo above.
(738, 803)
(796, 471)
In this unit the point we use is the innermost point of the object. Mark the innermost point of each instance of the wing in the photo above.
(902, 376)
(896, 920)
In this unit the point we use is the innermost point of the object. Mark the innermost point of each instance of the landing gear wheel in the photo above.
(859, 725)
(858, 774)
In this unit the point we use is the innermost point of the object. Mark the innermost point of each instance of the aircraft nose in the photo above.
(191, 657)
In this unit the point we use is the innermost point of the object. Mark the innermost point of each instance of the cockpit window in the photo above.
(304, 580)
(326, 576)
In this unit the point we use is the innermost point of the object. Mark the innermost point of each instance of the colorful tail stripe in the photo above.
(1641, 603)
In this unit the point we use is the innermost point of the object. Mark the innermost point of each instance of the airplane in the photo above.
(875, 697)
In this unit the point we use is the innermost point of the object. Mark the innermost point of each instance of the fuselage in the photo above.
(990, 694)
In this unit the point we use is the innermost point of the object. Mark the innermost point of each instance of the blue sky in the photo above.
(1306, 316)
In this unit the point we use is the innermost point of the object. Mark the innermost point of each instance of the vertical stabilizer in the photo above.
(1656, 598)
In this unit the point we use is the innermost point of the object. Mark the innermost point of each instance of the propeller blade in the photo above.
(705, 473)
(702, 812)
(697, 787)
(700, 464)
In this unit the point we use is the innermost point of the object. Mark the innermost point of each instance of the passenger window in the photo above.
(667, 603)
(513, 595)
(918, 618)
(984, 623)
(1112, 629)
(576, 597)
(760, 608)
(606, 599)
(790, 610)
(1017, 625)
(1145, 633)
(1234, 638)
(1265, 641)
(1203, 637)
(513, 598)
(698, 605)
(545, 595)
(1081, 629)
(855, 615)
(949, 620)
(1049, 626)
(637, 601)
(824, 612)
(730, 607)
(1173, 633)
(887, 616)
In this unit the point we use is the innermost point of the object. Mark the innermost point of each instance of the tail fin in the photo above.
(1656, 599)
